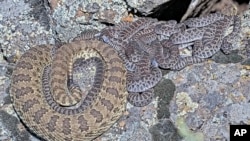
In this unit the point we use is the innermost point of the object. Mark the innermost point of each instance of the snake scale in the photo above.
(35, 101)
(52, 103)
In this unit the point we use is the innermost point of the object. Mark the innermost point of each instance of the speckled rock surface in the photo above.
(194, 104)
(21, 27)
(145, 6)
(207, 96)
(212, 95)
(72, 17)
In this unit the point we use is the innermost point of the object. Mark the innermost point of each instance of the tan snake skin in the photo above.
(102, 107)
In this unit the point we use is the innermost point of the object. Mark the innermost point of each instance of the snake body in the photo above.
(52, 103)
(208, 34)
(33, 98)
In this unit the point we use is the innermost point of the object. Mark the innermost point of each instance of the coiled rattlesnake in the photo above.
(101, 107)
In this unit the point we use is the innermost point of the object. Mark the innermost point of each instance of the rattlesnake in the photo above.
(208, 34)
(55, 107)
(135, 42)
(104, 104)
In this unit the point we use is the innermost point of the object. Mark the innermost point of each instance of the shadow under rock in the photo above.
(165, 91)
(164, 131)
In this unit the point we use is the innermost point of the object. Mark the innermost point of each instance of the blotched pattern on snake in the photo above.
(209, 35)
(50, 100)
(42, 99)
(161, 41)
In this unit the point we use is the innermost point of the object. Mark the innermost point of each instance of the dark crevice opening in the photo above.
(133, 11)
(173, 9)
(242, 1)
